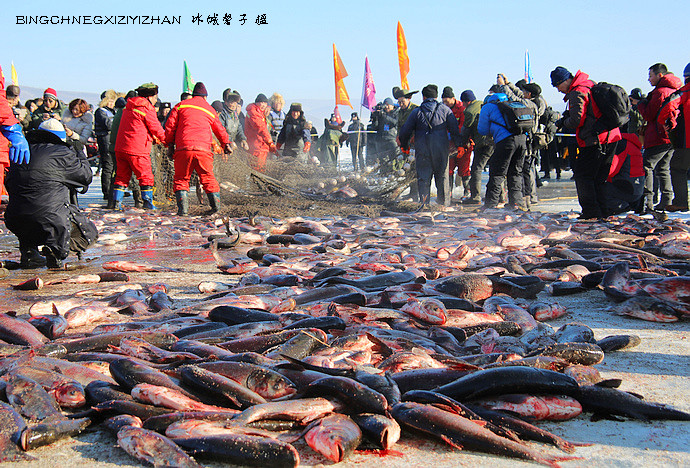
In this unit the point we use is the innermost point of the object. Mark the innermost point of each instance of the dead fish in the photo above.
(356, 396)
(17, 331)
(544, 407)
(29, 285)
(44, 434)
(576, 353)
(262, 380)
(52, 326)
(302, 410)
(125, 266)
(611, 402)
(647, 308)
(460, 432)
(116, 423)
(382, 431)
(618, 342)
(335, 437)
(11, 426)
(30, 399)
(216, 384)
(242, 450)
(565, 288)
(153, 448)
(170, 398)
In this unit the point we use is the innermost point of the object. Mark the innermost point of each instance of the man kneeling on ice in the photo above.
(39, 210)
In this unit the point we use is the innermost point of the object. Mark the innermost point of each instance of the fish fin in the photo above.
(609, 383)
(636, 395)
(55, 309)
(386, 350)
(455, 445)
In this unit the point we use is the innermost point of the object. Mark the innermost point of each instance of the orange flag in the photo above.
(403, 59)
(341, 96)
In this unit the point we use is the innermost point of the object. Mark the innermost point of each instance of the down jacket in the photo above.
(138, 127)
(192, 124)
(256, 130)
(654, 134)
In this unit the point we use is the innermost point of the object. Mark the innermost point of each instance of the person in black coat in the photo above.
(294, 136)
(39, 212)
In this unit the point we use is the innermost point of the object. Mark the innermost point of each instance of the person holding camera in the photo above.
(51, 108)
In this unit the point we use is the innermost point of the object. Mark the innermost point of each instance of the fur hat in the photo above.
(147, 90)
(295, 106)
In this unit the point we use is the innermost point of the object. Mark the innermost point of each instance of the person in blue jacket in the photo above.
(432, 124)
(508, 157)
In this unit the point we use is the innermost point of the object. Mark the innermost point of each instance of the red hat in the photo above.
(50, 93)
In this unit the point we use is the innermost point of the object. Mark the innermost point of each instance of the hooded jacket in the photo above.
(256, 130)
(655, 134)
(192, 124)
(581, 115)
(138, 127)
(491, 120)
(431, 122)
(39, 190)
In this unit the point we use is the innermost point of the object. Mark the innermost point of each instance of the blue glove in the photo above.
(19, 151)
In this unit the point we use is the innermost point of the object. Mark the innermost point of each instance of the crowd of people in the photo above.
(616, 168)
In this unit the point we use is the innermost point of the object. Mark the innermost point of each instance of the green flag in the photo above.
(187, 81)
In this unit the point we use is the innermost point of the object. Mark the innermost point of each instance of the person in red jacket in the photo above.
(675, 119)
(13, 145)
(138, 128)
(459, 156)
(658, 149)
(256, 130)
(191, 126)
(591, 167)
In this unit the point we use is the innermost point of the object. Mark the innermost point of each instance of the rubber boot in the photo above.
(30, 258)
(214, 201)
(118, 195)
(147, 197)
(182, 197)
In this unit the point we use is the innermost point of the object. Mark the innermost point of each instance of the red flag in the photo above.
(341, 96)
(336, 114)
(403, 58)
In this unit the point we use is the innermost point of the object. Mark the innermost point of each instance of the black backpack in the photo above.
(613, 104)
(519, 118)
(677, 133)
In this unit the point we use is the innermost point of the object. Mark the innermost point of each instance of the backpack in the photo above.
(519, 118)
(675, 133)
(612, 104)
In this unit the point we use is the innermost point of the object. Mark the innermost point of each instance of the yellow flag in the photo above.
(341, 96)
(403, 58)
(15, 80)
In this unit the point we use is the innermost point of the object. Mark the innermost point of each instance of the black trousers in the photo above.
(508, 160)
(590, 169)
(657, 161)
(436, 165)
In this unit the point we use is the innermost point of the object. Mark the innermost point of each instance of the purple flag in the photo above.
(369, 90)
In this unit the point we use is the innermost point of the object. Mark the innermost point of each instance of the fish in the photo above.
(43, 434)
(153, 448)
(302, 410)
(115, 423)
(505, 380)
(169, 398)
(11, 426)
(618, 342)
(382, 431)
(125, 266)
(52, 326)
(68, 393)
(242, 450)
(30, 399)
(460, 432)
(264, 381)
(544, 407)
(335, 437)
(647, 308)
(216, 384)
(609, 402)
(18, 331)
(356, 396)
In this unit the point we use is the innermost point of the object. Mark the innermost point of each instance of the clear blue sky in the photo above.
(460, 43)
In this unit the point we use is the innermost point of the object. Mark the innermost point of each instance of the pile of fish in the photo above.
(336, 335)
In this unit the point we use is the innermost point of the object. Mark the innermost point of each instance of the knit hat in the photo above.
(261, 98)
(430, 91)
(636, 93)
(447, 92)
(55, 127)
(200, 90)
(147, 90)
(120, 103)
(686, 72)
(468, 96)
(50, 93)
(296, 106)
(388, 102)
(559, 75)
(533, 88)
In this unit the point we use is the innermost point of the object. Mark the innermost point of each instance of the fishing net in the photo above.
(288, 186)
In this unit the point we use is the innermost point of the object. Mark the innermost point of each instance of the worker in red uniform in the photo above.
(256, 129)
(13, 145)
(138, 128)
(191, 126)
